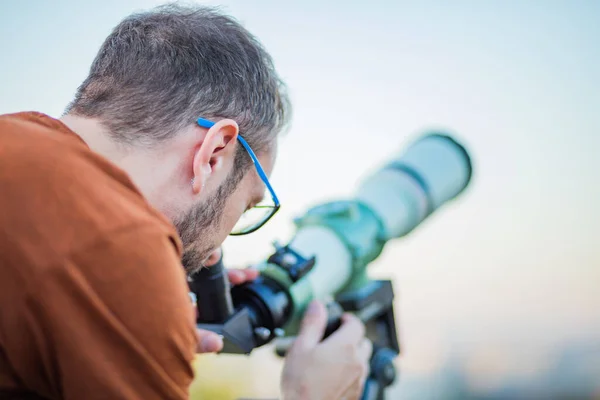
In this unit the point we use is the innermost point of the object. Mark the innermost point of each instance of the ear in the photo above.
(215, 149)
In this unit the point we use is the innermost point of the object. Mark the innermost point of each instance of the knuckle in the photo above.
(364, 369)
(352, 319)
(357, 370)
(367, 347)
(349, 349)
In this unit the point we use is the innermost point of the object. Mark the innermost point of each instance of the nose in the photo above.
(214, 257)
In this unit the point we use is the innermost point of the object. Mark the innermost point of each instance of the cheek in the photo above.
(234, 208)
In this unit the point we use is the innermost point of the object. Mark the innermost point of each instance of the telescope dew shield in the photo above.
(431, 171)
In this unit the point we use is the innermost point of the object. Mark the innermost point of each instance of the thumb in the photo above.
(208, 342)
(313, 327)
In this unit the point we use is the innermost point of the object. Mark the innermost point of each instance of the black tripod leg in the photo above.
(381, 375)
(372, 390)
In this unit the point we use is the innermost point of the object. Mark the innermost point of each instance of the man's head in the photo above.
(154, 76)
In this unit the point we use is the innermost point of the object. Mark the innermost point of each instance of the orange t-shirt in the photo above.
(93, 298)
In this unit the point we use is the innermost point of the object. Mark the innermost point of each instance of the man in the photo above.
(150, 165)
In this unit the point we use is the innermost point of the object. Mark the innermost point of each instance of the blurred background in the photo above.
(498, 293)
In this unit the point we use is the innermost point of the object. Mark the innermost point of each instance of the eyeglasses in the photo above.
(257, 216)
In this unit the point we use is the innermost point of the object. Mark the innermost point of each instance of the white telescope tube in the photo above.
(329, 251)
(431, 171)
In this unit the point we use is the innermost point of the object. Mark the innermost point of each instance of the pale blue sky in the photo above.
(515, 261)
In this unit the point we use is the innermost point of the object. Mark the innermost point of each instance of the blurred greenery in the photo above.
(232, 377)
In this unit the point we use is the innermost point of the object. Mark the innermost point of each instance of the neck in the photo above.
(96, 137)
(134, 161)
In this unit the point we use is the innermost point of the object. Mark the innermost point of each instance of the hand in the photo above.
(210, 342)
(333, 369)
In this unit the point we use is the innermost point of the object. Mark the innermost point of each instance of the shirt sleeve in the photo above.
(113, 322)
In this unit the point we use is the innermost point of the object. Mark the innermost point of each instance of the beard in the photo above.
(197, 226)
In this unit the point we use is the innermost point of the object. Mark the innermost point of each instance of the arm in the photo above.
(114, 321)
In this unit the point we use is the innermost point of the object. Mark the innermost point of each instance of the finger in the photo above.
(351, 331)
(208, 342)
(312, 327)
(354, 392)
(239, 276)
(236, 276)
(251, 274)
(365, 350)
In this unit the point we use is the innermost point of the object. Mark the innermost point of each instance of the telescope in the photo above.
(328, 255)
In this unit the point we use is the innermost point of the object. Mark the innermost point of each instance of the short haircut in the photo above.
(159, 70)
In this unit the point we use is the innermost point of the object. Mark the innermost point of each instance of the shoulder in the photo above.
(86, 258)
(59, 195)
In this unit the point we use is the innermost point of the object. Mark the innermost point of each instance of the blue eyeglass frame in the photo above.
(205, 123)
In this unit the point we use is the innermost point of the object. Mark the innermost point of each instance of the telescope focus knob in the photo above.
(382, 366)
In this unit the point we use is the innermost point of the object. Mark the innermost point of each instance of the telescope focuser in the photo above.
(292, 262)
(252, 314)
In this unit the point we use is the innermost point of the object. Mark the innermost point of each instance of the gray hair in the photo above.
(159, 70)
